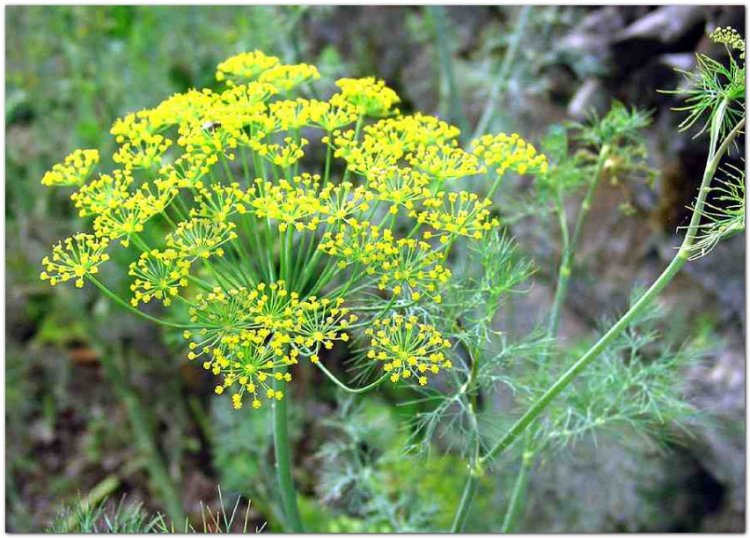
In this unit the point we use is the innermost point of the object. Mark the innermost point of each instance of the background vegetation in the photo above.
(70, 430)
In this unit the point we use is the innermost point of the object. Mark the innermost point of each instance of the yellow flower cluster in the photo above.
(74, 258)
(158, 274)
(244, 67)
(211, 194)
(407, 348)
(444, 162)
(406, 267)
(200, 238)
(74, 170)
(510, 152)
(729, 37)
(370, 95)
(457, 213)
(251, 336)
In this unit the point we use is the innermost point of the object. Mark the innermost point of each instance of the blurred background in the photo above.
(94, 396)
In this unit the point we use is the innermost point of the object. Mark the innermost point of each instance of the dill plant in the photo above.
(263, 260)
(262, 263)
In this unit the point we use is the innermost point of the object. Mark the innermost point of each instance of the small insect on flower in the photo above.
(211, 126)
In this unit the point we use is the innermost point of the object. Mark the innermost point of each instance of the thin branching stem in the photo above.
(519, 493)
(343, 386)
(126, 306)
(569, 249)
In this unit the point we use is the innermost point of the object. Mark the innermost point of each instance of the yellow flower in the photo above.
(510, 152)
(284, 155)
(102, 194)
(400, 186)
(457, 213)
(244, 67)
(249, 371)
(413, 267)
(288, 77)
(323, 321)
(296, 204)
(200, 238)
(127, 218)
(730, 37)
(143, 153)
(74, 170)
(444, 162)
(370, 95)
(287, 254)
(160, 275)
(74, 258)
(407, 348)
(219, 202)
(334, 114)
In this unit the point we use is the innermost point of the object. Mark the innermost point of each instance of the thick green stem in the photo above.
(573, 372)
(143, 433)
(284, 465)
(517, 502)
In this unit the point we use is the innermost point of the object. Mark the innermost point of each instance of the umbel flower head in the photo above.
(215, 197)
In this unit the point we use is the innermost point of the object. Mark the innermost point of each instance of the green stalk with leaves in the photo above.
(718, 97)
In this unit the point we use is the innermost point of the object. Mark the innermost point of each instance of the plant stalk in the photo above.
(466, 499)
(645, 300)
(516, 503)
(284, 464)
(475, 469)
(568, 257)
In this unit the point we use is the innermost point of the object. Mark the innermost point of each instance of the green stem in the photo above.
(466, 499)
(516, 503)
(565, 380)
(143, 433)
(645, 300)
(357, 129)
(100, 492)
(284, 464)
(126, 306)
(568, 257)
(475, 468)
(346, 388)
